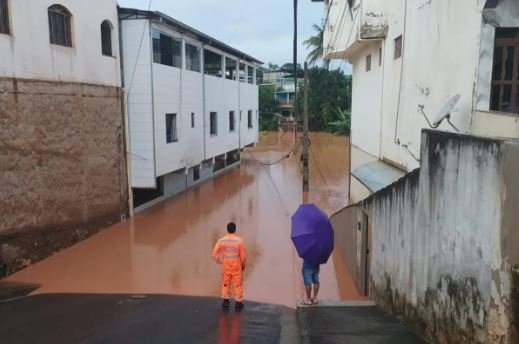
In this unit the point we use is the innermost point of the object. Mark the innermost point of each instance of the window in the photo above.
(167, 50)
(505, 74)
(212, 63)
(231, 66)
(4, 17)
(398, 47)
(171, 128)
(196, 173)
(250, 74)
(193, 55)
(192, 120)
(380, 56)
(213, 119)
(368, 63)
(106, 38)
(60, 28)
(232, 121)
(243, 72)
(249, 119)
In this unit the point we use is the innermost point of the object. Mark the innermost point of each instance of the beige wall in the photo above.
(493, 124)
(62, 166)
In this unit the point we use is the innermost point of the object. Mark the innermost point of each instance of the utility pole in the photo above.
(306, 139)
(295, 71)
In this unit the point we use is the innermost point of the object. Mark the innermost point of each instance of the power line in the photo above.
(138, 52)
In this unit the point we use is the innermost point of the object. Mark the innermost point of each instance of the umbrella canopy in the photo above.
(312, 234)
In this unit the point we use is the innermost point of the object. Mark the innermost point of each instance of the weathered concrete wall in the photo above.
(347, 239)
(62, 167)
(439, 257)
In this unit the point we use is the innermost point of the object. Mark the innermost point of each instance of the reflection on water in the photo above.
(167, 249)
(229, 328)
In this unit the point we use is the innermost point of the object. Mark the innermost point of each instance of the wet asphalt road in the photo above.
(155, 319)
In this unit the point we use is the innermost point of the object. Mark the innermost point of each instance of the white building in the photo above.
(413, 55)
(192, 102)
(62, 160)
(285, 90)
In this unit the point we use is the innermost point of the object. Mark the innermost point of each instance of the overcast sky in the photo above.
(261, 28)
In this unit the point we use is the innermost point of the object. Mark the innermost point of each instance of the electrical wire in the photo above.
(138, 53)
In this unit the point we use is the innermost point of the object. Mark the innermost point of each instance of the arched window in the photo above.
(106, 38)
(60, 26)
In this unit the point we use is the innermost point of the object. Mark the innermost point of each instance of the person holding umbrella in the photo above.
(310, 278)
(312, 235)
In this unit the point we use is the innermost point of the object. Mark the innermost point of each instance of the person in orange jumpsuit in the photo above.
(230, 252)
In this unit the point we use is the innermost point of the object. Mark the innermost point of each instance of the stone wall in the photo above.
(445, 244)
(62, 166)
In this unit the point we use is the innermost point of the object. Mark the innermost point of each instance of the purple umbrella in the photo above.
(312, 234)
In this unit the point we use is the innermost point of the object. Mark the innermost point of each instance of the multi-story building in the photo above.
(285, 90)
(409, 59)
(192, 103)
(62, 166)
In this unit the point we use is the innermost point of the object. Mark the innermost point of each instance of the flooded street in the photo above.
(167, 249)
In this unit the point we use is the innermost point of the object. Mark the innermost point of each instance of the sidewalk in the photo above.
(352, 323)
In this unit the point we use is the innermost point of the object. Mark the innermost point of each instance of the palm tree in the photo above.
(316, 44)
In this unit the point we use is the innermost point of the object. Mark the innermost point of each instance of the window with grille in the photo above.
(171, 128)
(505, 73)
(106, 38)
(4, 17)
(60, 28)
(167, 50)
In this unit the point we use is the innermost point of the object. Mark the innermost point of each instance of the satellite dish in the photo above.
(444, 114)
(447, 110)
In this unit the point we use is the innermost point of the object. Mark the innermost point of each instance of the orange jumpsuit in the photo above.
(230, 252)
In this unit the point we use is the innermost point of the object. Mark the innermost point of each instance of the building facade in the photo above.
(62, 166)
(192, 103)
(409, 60)
(285, 90)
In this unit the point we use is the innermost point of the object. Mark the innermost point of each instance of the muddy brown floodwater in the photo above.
(167, 249)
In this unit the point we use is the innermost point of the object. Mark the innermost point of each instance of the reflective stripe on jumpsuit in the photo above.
(230, 252)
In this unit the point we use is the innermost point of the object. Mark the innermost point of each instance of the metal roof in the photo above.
(133, 13)
(377, 175)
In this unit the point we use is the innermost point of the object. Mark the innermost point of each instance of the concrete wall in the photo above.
(62, 167)
(138, 84)
(443, 254)
(27, 53)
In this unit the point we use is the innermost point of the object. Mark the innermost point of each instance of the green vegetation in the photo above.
(267, 108)
(316, 47)
(329, 101)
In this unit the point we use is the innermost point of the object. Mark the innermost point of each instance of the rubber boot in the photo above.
(226, 303)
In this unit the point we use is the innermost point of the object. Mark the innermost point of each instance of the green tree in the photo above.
(267, 108)
(329, 100)
(316, 46)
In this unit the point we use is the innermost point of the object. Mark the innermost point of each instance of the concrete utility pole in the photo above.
(306, 139)
(295, 71)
